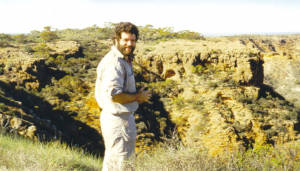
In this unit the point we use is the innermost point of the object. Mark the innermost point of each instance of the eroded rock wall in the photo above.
(224, 101)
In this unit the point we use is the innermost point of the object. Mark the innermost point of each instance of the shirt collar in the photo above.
(117, 52)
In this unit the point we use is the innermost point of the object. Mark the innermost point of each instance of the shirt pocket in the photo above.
(130, 83)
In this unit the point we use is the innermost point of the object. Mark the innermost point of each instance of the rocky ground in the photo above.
(220, 93)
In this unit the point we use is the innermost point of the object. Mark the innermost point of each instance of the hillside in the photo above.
(221, 93)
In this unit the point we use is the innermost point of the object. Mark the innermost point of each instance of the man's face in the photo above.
(126, 44)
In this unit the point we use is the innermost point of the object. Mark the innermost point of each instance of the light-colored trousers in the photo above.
(119, 134)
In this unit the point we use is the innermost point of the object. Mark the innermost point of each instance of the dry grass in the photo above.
(19, 154)
(178, 157)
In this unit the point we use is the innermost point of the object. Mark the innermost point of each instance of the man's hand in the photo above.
(143, 95)
(124, 98)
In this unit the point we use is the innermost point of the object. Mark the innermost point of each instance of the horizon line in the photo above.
(207, 34)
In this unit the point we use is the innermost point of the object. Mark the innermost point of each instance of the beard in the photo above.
(126, 50)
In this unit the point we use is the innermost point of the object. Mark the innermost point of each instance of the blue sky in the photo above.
(210, 17)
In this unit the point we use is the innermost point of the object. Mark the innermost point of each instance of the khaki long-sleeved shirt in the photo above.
(114, 76)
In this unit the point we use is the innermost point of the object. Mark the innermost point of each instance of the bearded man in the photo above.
(116, 94)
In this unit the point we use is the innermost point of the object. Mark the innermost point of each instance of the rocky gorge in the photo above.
(224, 93)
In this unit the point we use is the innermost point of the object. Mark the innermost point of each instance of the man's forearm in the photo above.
(124, 98)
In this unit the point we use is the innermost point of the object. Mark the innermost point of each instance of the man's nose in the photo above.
(130, 43)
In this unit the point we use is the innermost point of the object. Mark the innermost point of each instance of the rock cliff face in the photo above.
(24, 107)
(230, 93)
(219, 93)
(177, 59)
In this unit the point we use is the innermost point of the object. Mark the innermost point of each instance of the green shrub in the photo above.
(41, 51)
(20, 38)
(5, 40)
(198, 69)
(186, 34)
(47, 35)
(34, 36)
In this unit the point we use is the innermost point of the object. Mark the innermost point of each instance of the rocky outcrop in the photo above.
(24, 110)
(224, 102)
(23, 69)
(284, 76)
(65, 48)
(16, 124)
(282, 72)
(177, 59)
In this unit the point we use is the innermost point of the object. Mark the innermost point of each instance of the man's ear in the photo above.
(115, 41)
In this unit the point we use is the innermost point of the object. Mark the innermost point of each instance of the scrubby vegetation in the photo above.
(210, 91)
(95, 33)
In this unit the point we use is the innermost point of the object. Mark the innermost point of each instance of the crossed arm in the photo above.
(124, 98)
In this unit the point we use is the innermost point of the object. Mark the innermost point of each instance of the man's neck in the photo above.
(129, 59)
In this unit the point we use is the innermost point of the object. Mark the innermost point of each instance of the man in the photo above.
(116, 94)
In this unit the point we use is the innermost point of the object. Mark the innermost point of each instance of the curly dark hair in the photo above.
(125, 27)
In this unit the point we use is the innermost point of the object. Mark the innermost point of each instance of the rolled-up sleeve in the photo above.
(113, 78)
